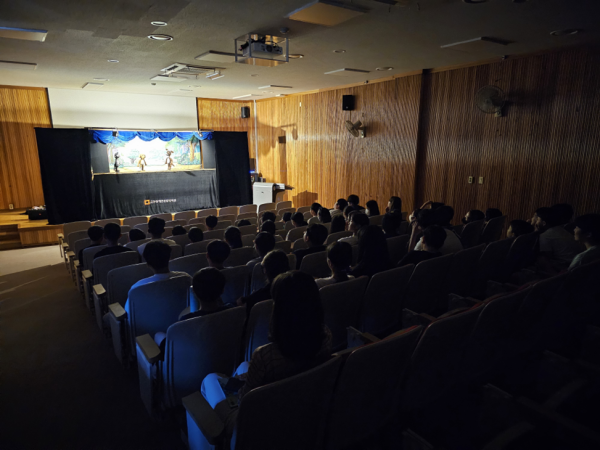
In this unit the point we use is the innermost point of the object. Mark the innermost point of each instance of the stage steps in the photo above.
(9, 237)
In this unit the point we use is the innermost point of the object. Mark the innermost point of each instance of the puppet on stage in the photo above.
(142, 162)
(169, 161)
(116, 166)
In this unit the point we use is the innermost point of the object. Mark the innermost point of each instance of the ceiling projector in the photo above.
(261, 49)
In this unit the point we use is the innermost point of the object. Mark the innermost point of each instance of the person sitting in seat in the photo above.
(445, 215)
(339, 207)
(298, 220)
(353, 201)
(473, 216)
(442, 217)
(156, 228)
(233, 237)
(269, 227)
(216, 254)
(564, 214)
(178, 231)
(348, 210)
(394, 204)
(135, 234)
(391, 224)
(273, 264)
(557, 246)
(372, 208)
(268, 215)
(286, 217)
(324, 215)
(315, 236)
(492, 213)
(431, 243)
(112, 234)
(208, 285)
(211, 222)
(373, 255)
(339, 260)
(518, 228)
(338, 223)
(96, 235)
(356, 222)
(263, 243)
(195, 234)
(314, 212)
(242, 223)
(587, 231)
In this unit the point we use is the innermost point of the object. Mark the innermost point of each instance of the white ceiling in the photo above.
(84, 34)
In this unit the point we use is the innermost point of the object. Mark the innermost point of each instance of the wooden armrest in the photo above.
(205, 418)
(86, 274)
(71, 254)
(117, 311)
(149, 348)
(60, 236)
(99, 290)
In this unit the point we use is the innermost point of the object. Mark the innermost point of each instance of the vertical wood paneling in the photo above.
(21, 110)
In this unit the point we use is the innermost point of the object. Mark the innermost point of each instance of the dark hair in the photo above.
(521, 227)
(233, 236)
(444, 214)
(475, 215)
(589, 223)
(178, 231)
(287, 216)
(135, 234)
(426, 218)
(243, 223)
(434, 236)
(297, 312)
(268, 215)
(298, 218)
(211, 221)
(95, 233)
(436, 205)
(396, 204)
(208, 284)
(324, 215)
(353, 199)
(492, 213)
(268, 227)
(275, 263)
(564, 213)
(195, 234)
(317, 234)
(391, 222)
(340, 255)
(338, 223)
(373, 208)
(342, 203)
(112, 232)
(156, 226)
(264, 242)
(157, 254)
(218, 251)
(315, 207)
(361, 219)
(348, 210)
(547, 215)
(373, 255)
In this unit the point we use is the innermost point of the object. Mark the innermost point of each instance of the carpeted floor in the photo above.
(61, 386)
(20, 259)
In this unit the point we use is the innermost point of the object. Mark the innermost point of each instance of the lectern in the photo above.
(268, 192)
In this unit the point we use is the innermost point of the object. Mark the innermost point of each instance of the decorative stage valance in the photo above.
(107, 136)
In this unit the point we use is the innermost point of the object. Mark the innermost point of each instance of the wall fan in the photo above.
(356, 129)
(490, 100)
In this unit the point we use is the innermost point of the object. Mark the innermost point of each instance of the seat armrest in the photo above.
(65, 245)
(205, 418)
(149, 348)
(76, 264)
(71, 254)
(99, 290)
(411, 318)
(60, 236)
(117, 311)
(87, 275)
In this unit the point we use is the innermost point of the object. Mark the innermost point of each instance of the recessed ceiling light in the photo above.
(567, 32)
(159, 24)
(101, 79)
(186, 90)
(254, 75)
(339, 51)
(381, 69)
(113, 60)
(160, 37)
(296, 56)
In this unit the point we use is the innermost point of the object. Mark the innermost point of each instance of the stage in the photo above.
(17, 231)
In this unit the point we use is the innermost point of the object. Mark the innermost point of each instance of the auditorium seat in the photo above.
(228, 218)
(279, 225)
(70, 245)
(471, 233)
(248, 209)
(287, 226)
(404, 227)
(316, 265)
(124, 239)
(87, 274)
(425, 292)
(176, 252)
(296, 233)
(78, 265)
(461, 273)
(142, 226)
(286, 246)
(493, 230)
(168, 231)
(307, 215)
(223, 224)
(248, 240)
(214, 234)
(125, 229)
(69, 228)
(185, 216)
(175, 223)
(490, 264)
(376, 220)
(398, 247)
(303, 209)
(135, 244)
(257, 329)
(281, 233)
(334, 237)
(235, 285)
(133, 221)
(229, 210)
(248, 215)
(240, 256)
(248, 229)
(193, 349)
(165, 216)
(266, 207)
(298, 244)
(261, 213)
(341, 306)
(258, 279)
(206, 212)
(199, 222)
(281, 212)
(182, 240)
(283, 205)
(189, 264)
(197, 247)
(521, 254)
(101, 223)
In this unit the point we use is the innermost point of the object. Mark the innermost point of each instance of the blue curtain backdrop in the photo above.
(106, 136)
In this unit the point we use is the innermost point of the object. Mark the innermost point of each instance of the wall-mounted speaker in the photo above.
(348, 102)
(245, 112)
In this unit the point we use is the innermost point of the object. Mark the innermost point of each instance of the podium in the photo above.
(268, 192)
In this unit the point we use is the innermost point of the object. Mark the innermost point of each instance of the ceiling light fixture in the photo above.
(216, 78)
(296, 56)
(339, 51)
(160, 37)
(159, 23)
(567, 32)
(382, 69)
(113, 60)
(254, 75)
(101, 79)
(186, 90)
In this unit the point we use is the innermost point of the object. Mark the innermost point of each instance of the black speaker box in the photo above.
(208, 154)
(348, 102)
(245, 112)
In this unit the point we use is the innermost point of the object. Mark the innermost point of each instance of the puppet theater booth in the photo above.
(155, 172)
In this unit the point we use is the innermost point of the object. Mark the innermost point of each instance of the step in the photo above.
(10, 244)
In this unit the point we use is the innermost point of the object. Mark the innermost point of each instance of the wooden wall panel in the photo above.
(21, 110)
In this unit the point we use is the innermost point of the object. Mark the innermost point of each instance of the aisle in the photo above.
(61, 386)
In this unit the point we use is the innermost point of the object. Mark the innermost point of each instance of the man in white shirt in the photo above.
(339, 260)
(156, 228)
(587, 231)
(357, 220)
(428, 217)
(557, 245)
(314, 211)
(339, 206)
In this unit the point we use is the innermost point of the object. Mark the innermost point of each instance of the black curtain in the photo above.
(233, 168)
(66, 174)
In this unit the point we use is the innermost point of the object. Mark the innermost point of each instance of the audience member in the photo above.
(440, 216)
(564, 213)
(135, 234)
(195, 234)
(431, 243)
(391, 223)
(324, 215)
(112, 234)
(216, 254)
(339, 260)
(518, 228)
(492, 213)
(587, 232)
(315, 237)
(445, 214)
(372, 208)
(357, 221)
(339, 207)
(286, 217)
(156, 228)
(353, 200)
(338, 223)
(178, 231)
(348, 210)
(243, 223)
(394, 204)
(473, 216)
(211, 222)
(557, 245)
(264, 242)
(432, 205)
(373, 255)
(269, 227)
(298, 220)
(233, 237)
(314, 209)
(208, 285)
(96, 235)
(268, 215)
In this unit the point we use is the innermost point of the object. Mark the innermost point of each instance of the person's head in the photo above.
(233, 236)
(348, 210)
(298, 220)
(297, 311)
(358, 220)
(195, 234)
(96, 234)
(275, 263)
(518, 228)
(338, 223)
(492, 213)
(373, 252)
(564, 213)
(433, 238)
(394, 204)
(268, 227)
(445, 214)
(179, 231)
(587, 229)
(314, 209)
(268, 215)
(391, 222)
(426, 218)
(211, 222)
(473, 216)
(156, 227)
(324, 215)
(436, 205)
(135, 234)
(208, 285)
(372, 208)
(340, 204)
(287, 216)
(217, 252)
(353, 200)
(315, 235)
(243, 223)
(264, 243)
(544, 218)
(112, 233)
(157, 255)
(339, 256)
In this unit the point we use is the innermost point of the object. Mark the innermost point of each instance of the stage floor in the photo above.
(17, 231)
